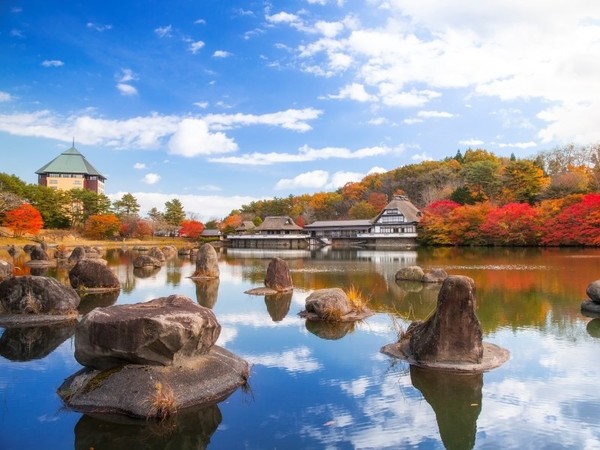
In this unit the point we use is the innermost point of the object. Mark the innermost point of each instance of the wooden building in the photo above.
(275, 232)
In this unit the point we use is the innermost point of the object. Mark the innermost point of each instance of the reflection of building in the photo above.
(70, 170)
(396, 225)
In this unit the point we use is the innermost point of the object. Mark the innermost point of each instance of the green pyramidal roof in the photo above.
(69, 161)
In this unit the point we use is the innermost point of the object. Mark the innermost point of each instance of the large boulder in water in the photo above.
(142, 261)
(162, 331)
(451, 339)
(332, 305)
(207, 263)
(278, 276)
(37, 295)
(90, 274)
(38, 254)
(157, 254)
(410, 273)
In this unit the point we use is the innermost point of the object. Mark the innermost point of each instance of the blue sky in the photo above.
(219, 103)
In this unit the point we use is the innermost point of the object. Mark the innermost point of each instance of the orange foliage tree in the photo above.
(465, 224)
(191, 228)
(23, 219)
(434, 227)
(101, 226)
(230, 223)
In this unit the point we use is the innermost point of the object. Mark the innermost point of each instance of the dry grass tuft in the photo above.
(162, 402)
(331, 313)
(359, 302)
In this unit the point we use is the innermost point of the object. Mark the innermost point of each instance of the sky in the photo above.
(219, 103)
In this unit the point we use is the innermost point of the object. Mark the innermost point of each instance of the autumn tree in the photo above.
(434, 227)
(84, 203)
(135, 228)
(465, 224)
(576, 224)
(230, 223)
(378, 200)
(191, 228)
(523, 181)
(23, 219)
(101, 226)
(362, 210)
(514, 224)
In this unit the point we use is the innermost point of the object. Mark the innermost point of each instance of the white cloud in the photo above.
(378, 121)
(306, 153)
(193, 138)
(521, 145)
(125, 76)
(354, 91)
(196, 46)
(376, 169)
(435, 115)
(291, 119)
(472, 142)
(151, 178)
(339, 179)
(5, 97)
(329, 29)
(165, 31)
(221, 54)
(52, 63)
(139, 166)
(421, 157)
(206, 206)
(202, 105)
(412, 121)
(98, 27)
(284, 17)
(126, 89)
(315, 179)
(200, 22)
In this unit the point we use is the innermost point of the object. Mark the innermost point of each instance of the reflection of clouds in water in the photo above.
(258, 320)
(356, 388)
(296, 360)
(227, 335)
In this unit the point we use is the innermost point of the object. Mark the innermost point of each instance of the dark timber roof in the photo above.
(70, 161)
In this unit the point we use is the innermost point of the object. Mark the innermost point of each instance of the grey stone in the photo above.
(410, 273)
(163, 331)
(38, 254)
(453, 333)
(278, 276)
(37, 295)
(6, 269)
(157, 254)
(92, 274)
(207, 263)
(435, 276)
(141, 261)
(329, 304)
(593, 291)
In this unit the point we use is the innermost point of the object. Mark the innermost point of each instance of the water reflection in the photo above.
(456, 401)
(278, 305)
(146, 271)
(97, 300)
(25, 343)
(593, 328)
(190, 429)
(207, 291)
(330, 330)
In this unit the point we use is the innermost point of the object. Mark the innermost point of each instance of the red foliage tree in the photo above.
(377, 200)
(576, 224)
(465, 222)
(512, 224)
(191, 228)
(23, 219)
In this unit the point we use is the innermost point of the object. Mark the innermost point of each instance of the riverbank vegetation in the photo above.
(475, 198)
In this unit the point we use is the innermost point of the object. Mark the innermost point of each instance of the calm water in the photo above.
(316, 387)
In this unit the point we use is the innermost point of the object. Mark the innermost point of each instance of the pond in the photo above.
(314, 387)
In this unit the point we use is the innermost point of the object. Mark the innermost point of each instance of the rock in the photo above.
(434, 276)
(331, 331)
(28, 247)
(157, 254)
(13, 251)
(141, 261)
(329, 304)
(593, 291)
(169, 251)
(163, 331)
(91, 274)
(451, 339)
(410, 273)
(207, 263)
(593, 328)
(278, 276)
(38, 254)
(37, 295)
(453, 333)
(147, 392)
(183, 251)
(145, 271)
(6, 269)
(77, 255)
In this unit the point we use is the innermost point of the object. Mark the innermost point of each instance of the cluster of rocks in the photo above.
(590, 307)
(151, 360)
(416, 273)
